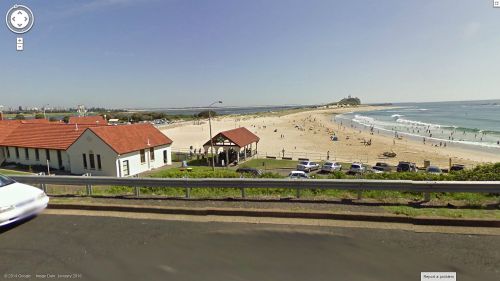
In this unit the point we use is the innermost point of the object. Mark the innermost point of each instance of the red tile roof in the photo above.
(129, 138)
(239, 136)
(97, 119)
(39, 135)
(6, 129)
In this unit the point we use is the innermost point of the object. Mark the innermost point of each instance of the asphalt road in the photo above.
(106, 248)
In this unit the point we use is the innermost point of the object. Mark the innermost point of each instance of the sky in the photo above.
(178, 53)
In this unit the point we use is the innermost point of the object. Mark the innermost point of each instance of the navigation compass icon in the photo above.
(19, 19)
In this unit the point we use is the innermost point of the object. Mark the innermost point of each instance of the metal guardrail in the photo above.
(244, 183)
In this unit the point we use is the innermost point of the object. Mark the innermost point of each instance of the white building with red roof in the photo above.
(93, 148)
(120, 151)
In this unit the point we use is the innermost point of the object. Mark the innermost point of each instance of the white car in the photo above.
(19, 201)
(298, 175)
(307, 166)
(329, 167)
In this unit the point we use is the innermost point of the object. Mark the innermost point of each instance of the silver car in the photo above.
(307, 166)
(329, 167)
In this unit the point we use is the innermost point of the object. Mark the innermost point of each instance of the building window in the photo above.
(37, 154)
(143, 156)
(126, 169)
(47, 154)
(26, 154)
(17, 152)
(92, 161)
(59, 159)
(8, 152)
(152, 154)
(99, 166)
(84, 157)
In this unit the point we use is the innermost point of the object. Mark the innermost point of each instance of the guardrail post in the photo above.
(188, 190)
(43, 186)
(298, 192)
(427, 196)
(360, 194)
(243, 195)
(137, 191)
(88, 186)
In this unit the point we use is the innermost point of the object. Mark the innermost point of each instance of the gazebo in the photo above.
(236, 144)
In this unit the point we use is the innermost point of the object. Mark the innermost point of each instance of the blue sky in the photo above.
(161, 53)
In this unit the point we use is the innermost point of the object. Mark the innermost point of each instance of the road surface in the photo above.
(57, 247)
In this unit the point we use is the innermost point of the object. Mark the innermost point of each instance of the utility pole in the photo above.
(211, 140)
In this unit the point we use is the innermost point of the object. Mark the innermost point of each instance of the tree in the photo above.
(204, 114)
(39, 116)
(66, 119)
(20, 116)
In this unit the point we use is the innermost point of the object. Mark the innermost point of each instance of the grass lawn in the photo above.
(12, 172)
(196, 172)
(270, 164)
(443, 212)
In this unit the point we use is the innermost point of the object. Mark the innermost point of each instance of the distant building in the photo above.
(85, 148)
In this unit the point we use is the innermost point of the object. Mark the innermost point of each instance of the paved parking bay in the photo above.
(111, 248)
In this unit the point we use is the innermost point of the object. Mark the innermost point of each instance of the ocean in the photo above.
(474, 124)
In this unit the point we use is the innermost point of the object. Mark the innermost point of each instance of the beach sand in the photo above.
(306, 134)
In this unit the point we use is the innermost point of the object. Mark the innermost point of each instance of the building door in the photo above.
(126, 168)
(165, 159)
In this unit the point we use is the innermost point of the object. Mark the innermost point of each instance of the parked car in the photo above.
(357, 168)
(329, 167)
(406, 167)
(434, 170)
(457, 167)
(298, 175)
(252, 171)
(19, 201)
(375, 170)
(307, 166)
(383, 167)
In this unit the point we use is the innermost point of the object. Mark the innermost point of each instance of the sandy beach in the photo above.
(307, 134)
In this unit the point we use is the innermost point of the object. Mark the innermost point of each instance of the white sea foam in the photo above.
(417, 123)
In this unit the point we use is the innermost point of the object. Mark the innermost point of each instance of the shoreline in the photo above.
(306, 133)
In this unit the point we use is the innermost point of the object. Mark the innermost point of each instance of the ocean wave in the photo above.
(361, 118)
(396, 116)
(418, 123)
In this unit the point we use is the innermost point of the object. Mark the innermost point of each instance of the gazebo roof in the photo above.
(241, 137)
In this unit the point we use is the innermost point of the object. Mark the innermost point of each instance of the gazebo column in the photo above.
(245, 153)
(227, 157)
(238, 155)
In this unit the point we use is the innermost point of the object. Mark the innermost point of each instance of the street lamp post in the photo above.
(211, 140)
